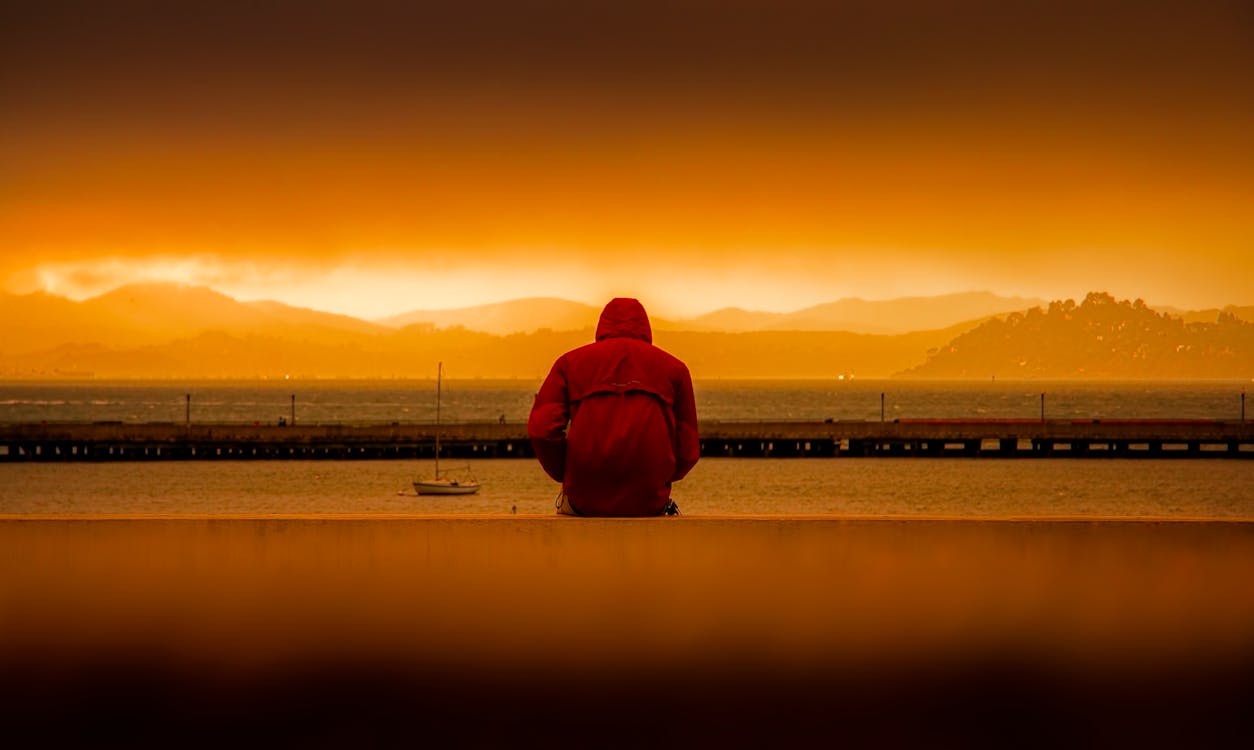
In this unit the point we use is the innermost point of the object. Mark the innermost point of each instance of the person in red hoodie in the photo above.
(615, 421)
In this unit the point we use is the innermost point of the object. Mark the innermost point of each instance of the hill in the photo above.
(900, 315)
(1213, 314)
(1099, 338)
(851, 315)
(153, 314)
(413, 352)
(171, 331)
(502, 318)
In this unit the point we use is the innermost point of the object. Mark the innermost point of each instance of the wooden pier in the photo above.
(994, 438)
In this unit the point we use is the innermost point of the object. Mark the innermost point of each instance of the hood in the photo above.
(624, 317)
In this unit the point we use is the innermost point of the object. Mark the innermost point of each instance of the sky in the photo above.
(372, 158)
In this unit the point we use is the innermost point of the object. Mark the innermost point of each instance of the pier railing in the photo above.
(997, 438)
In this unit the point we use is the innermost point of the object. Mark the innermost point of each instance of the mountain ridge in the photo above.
(505, 317)
(173, 331)
(898, 315)
(155, 313)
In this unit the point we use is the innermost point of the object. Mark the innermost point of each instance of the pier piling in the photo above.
(1005, 438)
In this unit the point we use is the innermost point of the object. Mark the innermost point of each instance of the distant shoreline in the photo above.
(835, 380)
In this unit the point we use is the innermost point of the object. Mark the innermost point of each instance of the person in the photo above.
(615, 420)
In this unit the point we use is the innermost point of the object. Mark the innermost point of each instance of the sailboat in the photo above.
(439, 485)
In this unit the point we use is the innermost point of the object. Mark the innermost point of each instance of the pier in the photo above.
(922, 438)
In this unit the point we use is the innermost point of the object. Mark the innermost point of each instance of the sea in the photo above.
(1169, 487)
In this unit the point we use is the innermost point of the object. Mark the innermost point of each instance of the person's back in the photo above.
(615, 421)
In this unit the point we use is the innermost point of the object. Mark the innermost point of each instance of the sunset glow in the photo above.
(626, 373)
(774, 157)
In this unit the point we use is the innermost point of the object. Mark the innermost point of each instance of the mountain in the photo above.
(1099, 338)
(165, 309)
(501, 318)
(171, 331)
(868, 316)
(94, 360)
(152, 314)
(412, 352)
(38, 321)
(1213, 314)
(851, 315)
(801, 354)
(735, 320)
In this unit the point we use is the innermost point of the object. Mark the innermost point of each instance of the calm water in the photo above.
(479, 400)
(984, 487)
(971, 487)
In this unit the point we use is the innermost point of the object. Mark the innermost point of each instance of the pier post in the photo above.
(881, 406)
(922, 437)
(1042, 406)
(187, 414)
(292, 421)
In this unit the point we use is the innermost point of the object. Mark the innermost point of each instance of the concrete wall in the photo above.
(570, 630)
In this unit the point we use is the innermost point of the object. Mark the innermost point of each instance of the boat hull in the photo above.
(445, 487)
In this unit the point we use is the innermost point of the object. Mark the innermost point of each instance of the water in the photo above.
(356, 402)
(951, 487)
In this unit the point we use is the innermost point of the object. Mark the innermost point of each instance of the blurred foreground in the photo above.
(542, 630)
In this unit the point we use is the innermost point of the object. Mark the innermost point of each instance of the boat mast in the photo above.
(439, 376)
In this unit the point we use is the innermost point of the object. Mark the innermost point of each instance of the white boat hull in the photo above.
(445, 487)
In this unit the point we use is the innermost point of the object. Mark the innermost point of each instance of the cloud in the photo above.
(764, 155)
(673, 282)
(83, 278)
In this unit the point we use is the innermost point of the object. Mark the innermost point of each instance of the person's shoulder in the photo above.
(674, 362)
(575, 356)
(580, 351)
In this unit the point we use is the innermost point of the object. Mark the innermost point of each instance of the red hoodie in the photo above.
(615, 421)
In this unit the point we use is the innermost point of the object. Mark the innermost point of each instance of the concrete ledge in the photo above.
(732, 630)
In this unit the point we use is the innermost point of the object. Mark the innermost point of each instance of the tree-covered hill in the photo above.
(1099, 338)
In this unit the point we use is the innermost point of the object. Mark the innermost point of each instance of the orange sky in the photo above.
(372, 158)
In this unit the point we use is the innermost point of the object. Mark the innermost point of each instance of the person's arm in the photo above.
(687, 443)
(547, 424)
